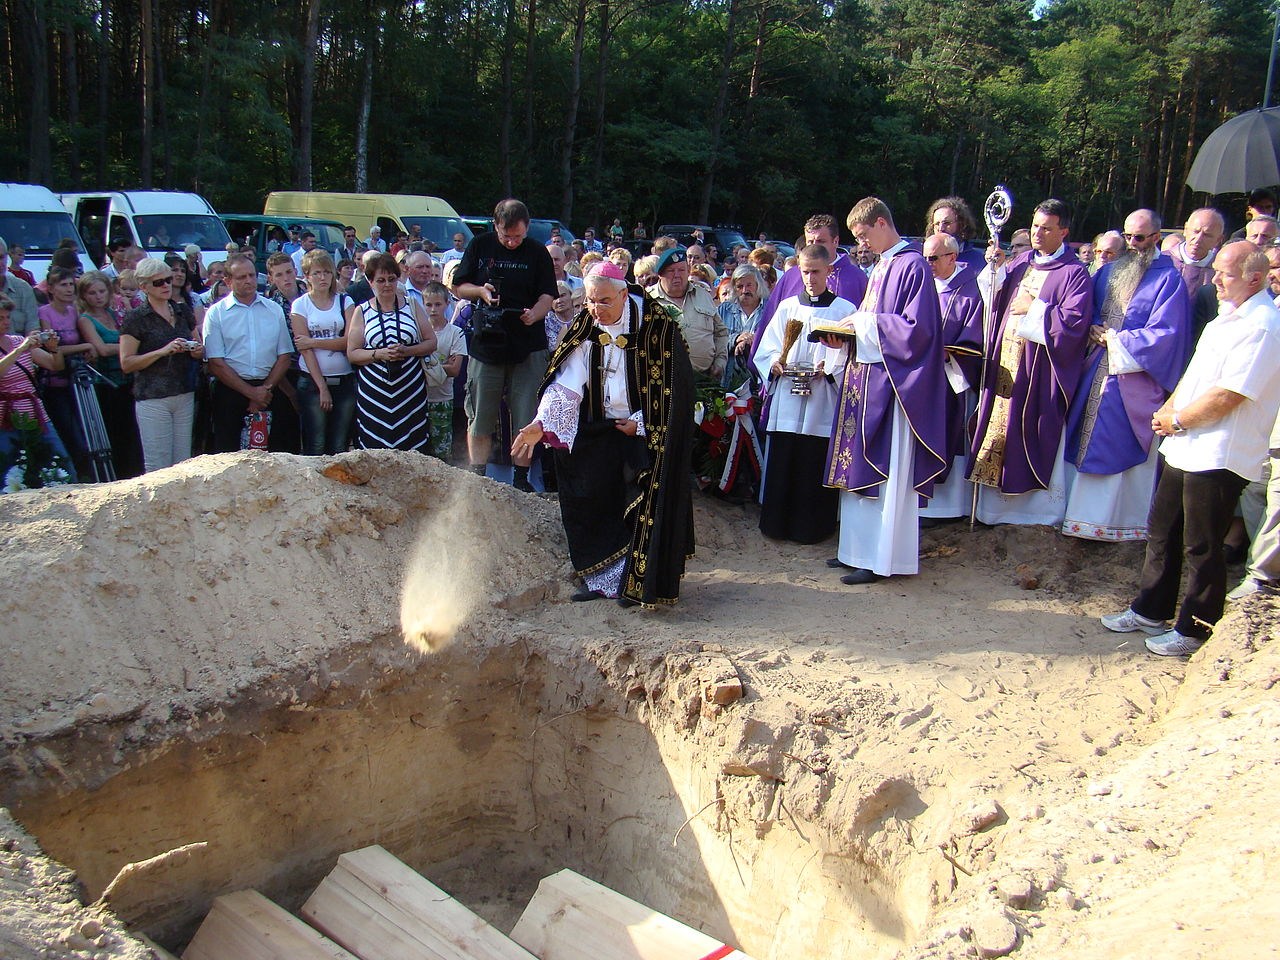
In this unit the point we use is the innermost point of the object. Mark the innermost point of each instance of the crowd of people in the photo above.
(1118, 389)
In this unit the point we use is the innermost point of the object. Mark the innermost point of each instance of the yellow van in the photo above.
(392, 212)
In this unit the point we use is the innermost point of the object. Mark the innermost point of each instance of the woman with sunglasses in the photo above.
(158, 346)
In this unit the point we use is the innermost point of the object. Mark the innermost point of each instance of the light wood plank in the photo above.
(574, 918)
(381, 909)
(247, 926)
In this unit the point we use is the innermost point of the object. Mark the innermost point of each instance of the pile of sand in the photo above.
(1008, 770)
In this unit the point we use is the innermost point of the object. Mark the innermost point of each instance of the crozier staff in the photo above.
(616, 405)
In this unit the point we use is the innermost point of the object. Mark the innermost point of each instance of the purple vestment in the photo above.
(1047, 374)
(973, 256)
(1157, 333)
(847, 281)
(909, 325)
(1193, 275)
(961, 304)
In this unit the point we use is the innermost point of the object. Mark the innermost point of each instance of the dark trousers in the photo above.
(1189, 517)
(230, 409)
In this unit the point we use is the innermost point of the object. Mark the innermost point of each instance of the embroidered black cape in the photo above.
(632, 496)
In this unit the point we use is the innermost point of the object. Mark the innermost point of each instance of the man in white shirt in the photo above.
(1217, 424)
(375, 241)
(459, 248)
(247, 343)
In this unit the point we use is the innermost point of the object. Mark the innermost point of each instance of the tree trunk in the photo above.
(717, 117)
(602, 63)
(162, 103)
(71, 71)
(571, 113)
(147, 57)
(366, 106)
(504, 131)
(1189, 154)
(104, 95)
(757, 60)
(530, 38)
(302, 172)
(33, 36)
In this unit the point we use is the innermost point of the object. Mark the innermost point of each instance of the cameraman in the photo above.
(505, 269)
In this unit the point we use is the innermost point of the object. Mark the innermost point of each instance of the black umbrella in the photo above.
(1240, 155)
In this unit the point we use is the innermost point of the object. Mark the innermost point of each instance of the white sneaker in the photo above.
(1129, 621)
(1173, 644)
(1249, 586)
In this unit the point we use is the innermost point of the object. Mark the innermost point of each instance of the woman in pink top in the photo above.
(62, 315)
(19, 359)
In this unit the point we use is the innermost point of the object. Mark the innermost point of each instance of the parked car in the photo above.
(722, 236)
(539, 228)
(158, 221)
(255, 230)
(32, 217)
(784, 248)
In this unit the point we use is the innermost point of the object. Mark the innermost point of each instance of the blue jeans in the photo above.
(326, 432)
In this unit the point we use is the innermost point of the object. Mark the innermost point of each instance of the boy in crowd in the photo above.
(451, 349)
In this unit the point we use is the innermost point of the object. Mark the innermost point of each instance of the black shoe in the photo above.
(628, 602)
(835, 564)
(585, 595)
(859, 576)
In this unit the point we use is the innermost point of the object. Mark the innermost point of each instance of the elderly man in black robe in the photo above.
(616, 405)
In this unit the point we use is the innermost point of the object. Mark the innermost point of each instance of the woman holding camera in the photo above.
(19, 398)
(387, 337)
(158, 346)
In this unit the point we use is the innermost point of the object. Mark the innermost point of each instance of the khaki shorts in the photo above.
(488, 382)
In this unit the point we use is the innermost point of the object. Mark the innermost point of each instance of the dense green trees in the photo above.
(754, 111)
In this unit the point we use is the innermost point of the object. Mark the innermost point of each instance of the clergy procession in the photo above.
(1127, 396)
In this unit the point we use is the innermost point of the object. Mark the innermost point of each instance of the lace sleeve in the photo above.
(558, 414)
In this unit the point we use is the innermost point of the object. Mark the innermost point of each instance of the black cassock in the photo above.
(631, 497)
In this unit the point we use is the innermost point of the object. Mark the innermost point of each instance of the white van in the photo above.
(158, 221)
(32, 218)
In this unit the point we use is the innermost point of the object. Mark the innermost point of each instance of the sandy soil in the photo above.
(1058, 791)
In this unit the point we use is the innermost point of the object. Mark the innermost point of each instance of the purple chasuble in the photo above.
(961, 304)
(1157, 333)
(909, 325)
(1047, 375)
(973, 256)
(847, 281)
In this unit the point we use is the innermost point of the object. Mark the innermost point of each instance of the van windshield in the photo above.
(38, 233)
(173, 231)
(439, 230)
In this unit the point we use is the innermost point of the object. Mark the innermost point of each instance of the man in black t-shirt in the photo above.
(508, 269)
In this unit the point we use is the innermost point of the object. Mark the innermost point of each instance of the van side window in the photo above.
(120, 229)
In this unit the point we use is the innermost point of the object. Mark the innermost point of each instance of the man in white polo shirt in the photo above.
(1216, 424)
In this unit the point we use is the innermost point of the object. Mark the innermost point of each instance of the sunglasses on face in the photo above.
(1138, 237)
(162, 282)
(939, 256)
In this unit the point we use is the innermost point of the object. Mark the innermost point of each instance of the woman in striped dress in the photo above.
(387, 337)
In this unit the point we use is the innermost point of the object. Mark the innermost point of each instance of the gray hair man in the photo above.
(1140, 337)
(23, 318)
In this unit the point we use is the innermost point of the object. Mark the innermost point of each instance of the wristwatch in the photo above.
(1178, 428)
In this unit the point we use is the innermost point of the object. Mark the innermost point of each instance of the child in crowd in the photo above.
(127, 293)
(451, 348)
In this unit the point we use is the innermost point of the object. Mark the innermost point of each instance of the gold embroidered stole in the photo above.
(988, 465)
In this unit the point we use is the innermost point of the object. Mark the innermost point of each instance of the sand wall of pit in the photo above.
(230, 672)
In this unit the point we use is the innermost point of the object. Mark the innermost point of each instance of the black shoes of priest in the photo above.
(584, 595)
(858, 576)
(835, 564)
